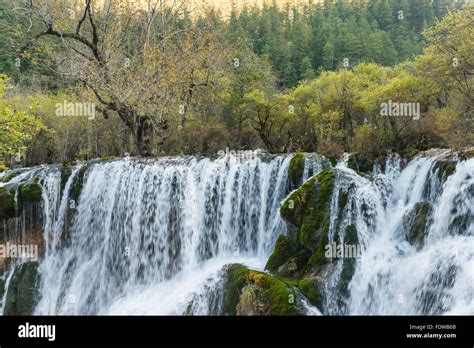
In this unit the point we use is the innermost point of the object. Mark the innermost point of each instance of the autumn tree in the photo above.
(135, 63)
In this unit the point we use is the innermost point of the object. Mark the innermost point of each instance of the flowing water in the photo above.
(151, 236)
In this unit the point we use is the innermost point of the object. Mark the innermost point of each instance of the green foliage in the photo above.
(321, 37)
(17, 128)
(447, 71)
(258, 80)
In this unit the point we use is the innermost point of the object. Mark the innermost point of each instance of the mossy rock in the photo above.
(22, 292)
(295, 265)
(414, 223)
(284, 249)
(29, 193)
(309, 207)
(9, 177)
(445, 169)
(295, 170)
(76, 187)
(250, 292)
(7, 204)
(65, 174)
(310, 289)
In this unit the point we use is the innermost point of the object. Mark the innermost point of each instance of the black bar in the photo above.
(291, 331)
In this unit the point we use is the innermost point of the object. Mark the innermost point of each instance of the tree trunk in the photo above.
(144, 136)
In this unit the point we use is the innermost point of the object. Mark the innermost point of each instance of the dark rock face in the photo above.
(414, 223)
(22, 293)
(21, 217)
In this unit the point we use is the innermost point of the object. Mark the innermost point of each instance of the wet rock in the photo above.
(250, 292)
(414, 222)
(295, 170)
(22, 293)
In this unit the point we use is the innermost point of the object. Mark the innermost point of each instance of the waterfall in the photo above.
(151, 235)
(394, 277)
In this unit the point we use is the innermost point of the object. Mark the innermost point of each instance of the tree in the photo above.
(447, 67)
(17, 128)
(135, 63)
(265, 115)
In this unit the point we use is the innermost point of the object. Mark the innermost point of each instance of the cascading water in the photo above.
(392, 276)
(153, 236)
(150, 236)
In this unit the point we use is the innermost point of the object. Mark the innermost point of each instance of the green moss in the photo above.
(273, 293)
(315, 214)
(410, 153)
(235, 282)
(29, 193)
(450, 169)
(295, 170)
(311, 291)
(107, 158)
(283, 250)
(7, 204)
(22, 293)
(77, 184)
(65, 174)
(318, 258)
(293, 208)
(9, 177)
(445, 169)
(309, 209)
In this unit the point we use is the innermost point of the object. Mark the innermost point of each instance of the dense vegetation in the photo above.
(308, 79)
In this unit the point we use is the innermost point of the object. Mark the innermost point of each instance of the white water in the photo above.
(392, 277)
(153, 236)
